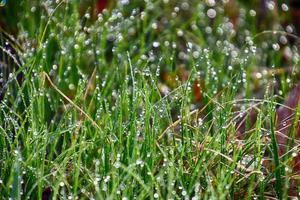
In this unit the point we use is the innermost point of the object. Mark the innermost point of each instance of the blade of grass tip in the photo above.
(292, 133)
(278, 181)
(132, 75)
(41, 38)
(16, 179)
(258, 152)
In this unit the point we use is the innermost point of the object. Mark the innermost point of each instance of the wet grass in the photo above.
(144, 101)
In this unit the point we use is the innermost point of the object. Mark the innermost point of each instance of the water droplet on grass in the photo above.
(33, 9)
(179, 33)
(276, 46)
(155, 44)
(294, 154)
(211, 13)
(124, 2)
(284, 7)
(271, 5)
(289, 29)
(252, 13)
(71, 86)
(196, 54)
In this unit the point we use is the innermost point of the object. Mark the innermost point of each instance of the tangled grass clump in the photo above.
(155, 99)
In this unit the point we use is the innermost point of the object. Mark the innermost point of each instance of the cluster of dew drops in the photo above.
(119, 28)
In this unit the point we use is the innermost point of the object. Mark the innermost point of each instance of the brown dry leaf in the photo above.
(101, 5)
(198, 87)
(232, 11)
(285, 118)
(285, 121)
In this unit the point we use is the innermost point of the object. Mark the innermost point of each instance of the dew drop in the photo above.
(276, 46)
(294, 154)
(71, 86)
(252, 13)
(155, 44)
(211, 13)
(284, 7)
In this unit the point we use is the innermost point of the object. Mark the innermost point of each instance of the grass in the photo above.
(110, 105)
